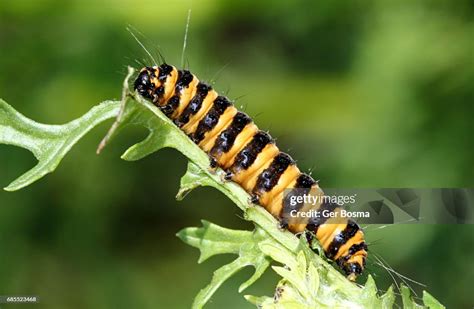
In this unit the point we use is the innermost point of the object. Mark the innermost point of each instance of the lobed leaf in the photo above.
(212, 239)
(48, 143)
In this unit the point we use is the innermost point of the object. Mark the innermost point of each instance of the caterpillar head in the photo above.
(156, 83)
(145, 83)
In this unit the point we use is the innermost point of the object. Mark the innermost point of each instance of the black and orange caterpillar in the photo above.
(250, 158)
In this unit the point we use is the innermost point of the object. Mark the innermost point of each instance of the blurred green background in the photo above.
(365, 93)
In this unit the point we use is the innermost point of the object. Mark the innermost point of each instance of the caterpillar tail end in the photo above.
(353, 270)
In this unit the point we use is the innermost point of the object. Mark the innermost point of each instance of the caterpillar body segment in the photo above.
(251, 159)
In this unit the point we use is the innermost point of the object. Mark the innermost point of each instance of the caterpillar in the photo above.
(250, 158)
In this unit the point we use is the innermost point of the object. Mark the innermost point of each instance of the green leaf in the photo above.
(193, 178)
(388, 299)
(212, 239)
(431, 302)
(408, 302)
(258, 301)
(48, 143)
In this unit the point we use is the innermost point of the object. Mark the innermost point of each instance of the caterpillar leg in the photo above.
(212, 165)
(254, 198)
(282, 226)
(212, 162)
(314, 244)
(224, 178)
(228, 176)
